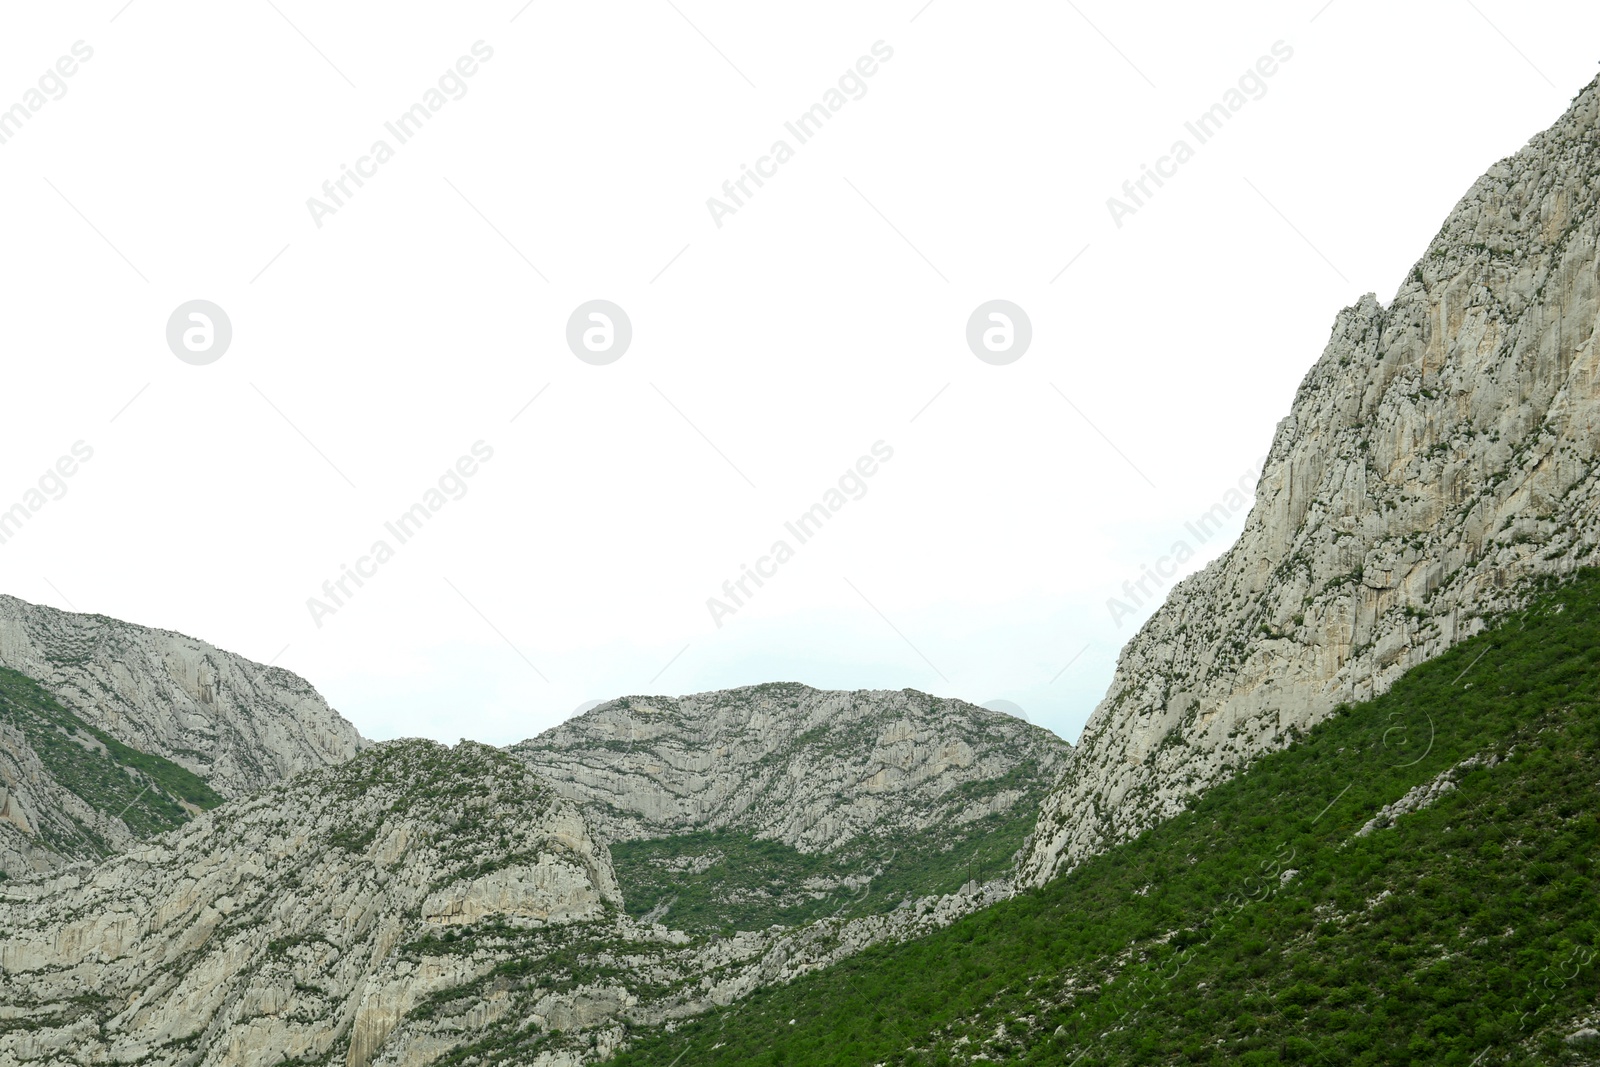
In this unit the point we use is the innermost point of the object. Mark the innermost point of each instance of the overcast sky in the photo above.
(381, 333)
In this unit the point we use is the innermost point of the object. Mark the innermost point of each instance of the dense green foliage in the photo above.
(727, 880)
(141, 789)
(1258, 927)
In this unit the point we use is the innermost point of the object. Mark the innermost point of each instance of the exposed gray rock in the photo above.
(237, 724)
(385, 912)
(272, 927)
(1438, 459)
(887, 785)
(43, 824)
(1424, 795)
(814, 769)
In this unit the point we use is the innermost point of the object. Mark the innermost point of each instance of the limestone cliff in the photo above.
(278, 927)
(1439, 458)
(782, 804)
(236, 725)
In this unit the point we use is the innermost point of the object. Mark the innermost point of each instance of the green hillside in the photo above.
(140, 789)
(726, 880)
(1259, 927)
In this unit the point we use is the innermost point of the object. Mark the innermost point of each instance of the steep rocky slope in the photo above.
(419, 902)
(1348, 901)
(170, 699)
(276, 927)
(811, 768)
(238, 724)
(70, 790)
(1440, 456)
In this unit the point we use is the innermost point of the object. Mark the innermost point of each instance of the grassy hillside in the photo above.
(140, 789)
(1262, 926)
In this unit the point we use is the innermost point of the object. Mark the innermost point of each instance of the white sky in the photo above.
(773, 352)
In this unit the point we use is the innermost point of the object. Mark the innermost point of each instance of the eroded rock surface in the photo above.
(1438, 459)
(298, 923)
(814, 769)
(237, 725)
(240, 725)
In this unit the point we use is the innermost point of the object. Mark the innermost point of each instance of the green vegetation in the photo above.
(534, 961)
(1257, 927)
(726, 880)
(142, 790)
(78, 1009)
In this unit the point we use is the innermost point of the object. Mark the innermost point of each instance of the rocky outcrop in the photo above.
(239, 725)
(235, 724)
(1440, 458)
(814, 769)
(43, 821)
(415, 902)
(277, 927)
(1427, 794)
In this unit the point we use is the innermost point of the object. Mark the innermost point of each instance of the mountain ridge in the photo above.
(420, 902)
(1416, 882)
(646, 763)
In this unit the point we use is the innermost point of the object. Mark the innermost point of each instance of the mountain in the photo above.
(308, 922)
(1339, 804)
(1441, 457)
(1415, 882)
(72, 791)
(155, 708)
(779, 803)
(418, 903)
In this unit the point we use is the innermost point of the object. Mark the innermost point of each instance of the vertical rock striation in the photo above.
(309, 922)
(1438, 459)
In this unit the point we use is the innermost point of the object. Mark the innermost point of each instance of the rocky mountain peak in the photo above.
(1438, 458)
(239, 724)
(812, 768)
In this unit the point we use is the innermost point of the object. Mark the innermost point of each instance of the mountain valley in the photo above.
(1340, 804)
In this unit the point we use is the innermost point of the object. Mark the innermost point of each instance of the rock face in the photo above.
(70, 791)
(236, 724)
(414, 902)
(417, 901)
(784, 805)
(1438, 459)
(814, 769)
(298, 923)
